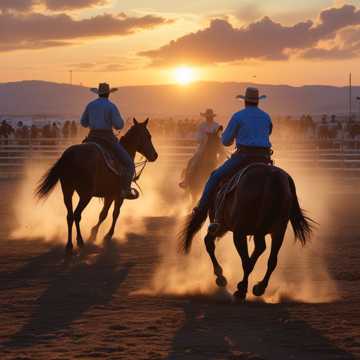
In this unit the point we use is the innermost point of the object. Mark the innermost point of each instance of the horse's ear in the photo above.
(135, 121)
(146, 121)
(219, 130)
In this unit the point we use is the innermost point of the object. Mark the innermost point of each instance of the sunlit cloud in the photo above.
(264, 39)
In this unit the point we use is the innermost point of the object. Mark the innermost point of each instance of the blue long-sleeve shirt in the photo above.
(102, 114)
(250, 127)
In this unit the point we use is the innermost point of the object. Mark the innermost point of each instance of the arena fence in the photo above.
(335, 157)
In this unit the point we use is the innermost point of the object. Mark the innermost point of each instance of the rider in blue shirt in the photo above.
(251, 129)
(101, 116)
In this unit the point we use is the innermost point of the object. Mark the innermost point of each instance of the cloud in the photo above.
(263, 39)
(18, 5)
(35, 30)
(52, 5)
(347, 47)
(56, 5)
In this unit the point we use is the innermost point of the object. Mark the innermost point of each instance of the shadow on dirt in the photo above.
(251, 331)
(74, 286)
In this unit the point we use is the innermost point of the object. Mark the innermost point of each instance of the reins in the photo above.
(138, 164)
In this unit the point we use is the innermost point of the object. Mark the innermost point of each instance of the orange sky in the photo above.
(131, 43)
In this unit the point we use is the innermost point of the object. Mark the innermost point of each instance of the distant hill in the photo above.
(39, 97)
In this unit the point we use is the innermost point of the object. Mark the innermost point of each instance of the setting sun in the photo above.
(184, 75)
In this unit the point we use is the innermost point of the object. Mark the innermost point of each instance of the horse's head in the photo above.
(214, 140)
(140, 140)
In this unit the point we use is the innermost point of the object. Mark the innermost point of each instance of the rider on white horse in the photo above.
(209, 126)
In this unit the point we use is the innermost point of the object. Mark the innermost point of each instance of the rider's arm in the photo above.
(229, 134)
(84, 121)
(117, 121)
(200, 134)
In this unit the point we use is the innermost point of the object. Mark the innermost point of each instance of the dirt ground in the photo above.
(88, 307)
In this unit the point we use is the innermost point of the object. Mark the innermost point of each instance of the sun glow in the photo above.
(184, 75)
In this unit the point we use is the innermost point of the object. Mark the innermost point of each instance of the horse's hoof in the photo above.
(107, 238)
(259, 289)
(239, 296)
(69, 251)
(93, 236)
(80, 244)
(221, 281)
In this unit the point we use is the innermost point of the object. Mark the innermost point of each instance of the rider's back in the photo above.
(102, 114)
(250, 127)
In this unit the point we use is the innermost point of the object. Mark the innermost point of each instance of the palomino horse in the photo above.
(263, 201)
(203, 164)
(81, 168)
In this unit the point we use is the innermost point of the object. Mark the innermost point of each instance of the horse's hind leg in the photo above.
(277, 238)
(248, 263)
(103, 215)
(68, 194)
(218, 271)
(83, 202)
(116, 214)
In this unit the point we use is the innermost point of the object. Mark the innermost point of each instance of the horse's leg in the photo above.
(247, 262)
(218, 271)
(116, 214)
(103, 214)
(277, 238)
(83, 202)
(68, 194)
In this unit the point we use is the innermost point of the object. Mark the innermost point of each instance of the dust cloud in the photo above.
(301, 275)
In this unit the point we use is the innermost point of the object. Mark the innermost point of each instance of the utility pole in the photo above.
(358, 99)
(350, 98)
(71, 77)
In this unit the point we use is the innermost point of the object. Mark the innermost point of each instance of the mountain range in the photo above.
(40, 97)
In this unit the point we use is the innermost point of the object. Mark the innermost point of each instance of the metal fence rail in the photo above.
(306, 155)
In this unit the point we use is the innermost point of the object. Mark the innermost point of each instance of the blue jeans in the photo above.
(126, 161)
(227, 169)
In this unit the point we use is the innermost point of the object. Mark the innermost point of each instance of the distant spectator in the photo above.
(66, 129)
(55, 132)
(6, 130)
(73, 129)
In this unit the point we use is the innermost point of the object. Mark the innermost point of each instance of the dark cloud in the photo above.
(57, 5)
(52, 5)
(349, 47)
(34, 30)
(18, 5)
(263, 39)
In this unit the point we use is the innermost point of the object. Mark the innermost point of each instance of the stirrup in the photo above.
(130, 194)
(213, 228)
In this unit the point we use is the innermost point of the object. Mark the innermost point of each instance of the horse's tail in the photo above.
(192, 225)
(301, 224)
(50, 179)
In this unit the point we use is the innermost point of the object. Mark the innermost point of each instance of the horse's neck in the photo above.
(128, 144)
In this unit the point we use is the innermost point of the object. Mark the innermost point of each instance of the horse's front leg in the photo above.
(218, 271)
(103, 215)
(116, 214)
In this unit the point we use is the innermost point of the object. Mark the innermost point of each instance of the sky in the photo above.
(137, 42)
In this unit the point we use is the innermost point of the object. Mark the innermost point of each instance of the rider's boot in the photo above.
(129, 193)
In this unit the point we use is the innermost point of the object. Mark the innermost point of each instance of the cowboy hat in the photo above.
(103, 89)
(251, 95)
(208, 113)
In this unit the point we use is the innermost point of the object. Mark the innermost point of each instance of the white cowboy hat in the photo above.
(103, 89)
(208, 113)
(251, 95)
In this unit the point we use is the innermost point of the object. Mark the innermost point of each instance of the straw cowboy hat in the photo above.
(251, 95)
(209, 113)
(103, 89)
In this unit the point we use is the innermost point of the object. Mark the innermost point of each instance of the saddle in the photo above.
(229, 185)
(102, 141)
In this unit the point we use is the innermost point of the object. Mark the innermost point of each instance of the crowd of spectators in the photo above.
(286, 129)
(24, 133)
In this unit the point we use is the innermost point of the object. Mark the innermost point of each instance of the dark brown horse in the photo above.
(81, 168)
(263, 202)
(204, 163)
